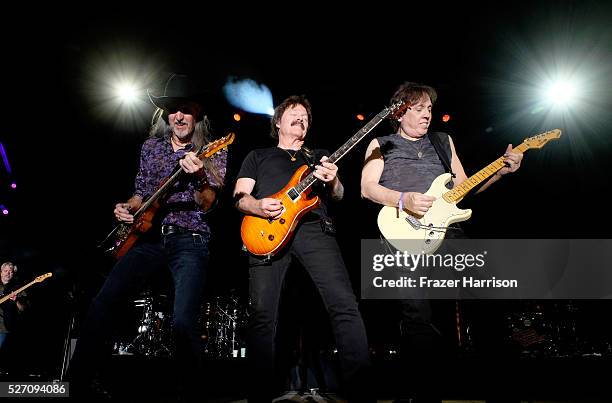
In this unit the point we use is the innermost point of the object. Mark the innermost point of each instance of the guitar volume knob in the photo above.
(271, 237)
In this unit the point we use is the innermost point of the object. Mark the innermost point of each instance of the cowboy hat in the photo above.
(181, 92)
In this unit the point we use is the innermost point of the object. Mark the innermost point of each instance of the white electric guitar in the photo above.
(424, 234)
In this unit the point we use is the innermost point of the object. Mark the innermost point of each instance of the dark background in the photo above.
(73, 151)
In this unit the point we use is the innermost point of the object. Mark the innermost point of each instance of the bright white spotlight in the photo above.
(562, 93)
(127, 93)
(249, 96)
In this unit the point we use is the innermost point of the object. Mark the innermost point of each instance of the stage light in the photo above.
(446, 118)
(4, 209)
(249, 96)
(237, 117)
(13, 185)
(561, 93)
(360, 116)
(127, 93)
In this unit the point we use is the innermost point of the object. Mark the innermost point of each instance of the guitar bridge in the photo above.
(413, 221)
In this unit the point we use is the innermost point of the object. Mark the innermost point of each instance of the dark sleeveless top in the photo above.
(404, 171)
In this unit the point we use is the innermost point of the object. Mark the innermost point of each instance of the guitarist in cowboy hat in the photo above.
(178, 239)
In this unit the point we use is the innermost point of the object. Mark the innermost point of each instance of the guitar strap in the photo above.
(436, 141)
(327, 224)
(308, 155)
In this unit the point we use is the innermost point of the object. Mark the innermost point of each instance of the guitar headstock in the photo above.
(43, 277)
(217, 145)
(541, 139)
(397, 110)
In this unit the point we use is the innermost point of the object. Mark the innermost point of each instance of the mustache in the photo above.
(298, 122)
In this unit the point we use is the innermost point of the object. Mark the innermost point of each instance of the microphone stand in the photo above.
(67, 348)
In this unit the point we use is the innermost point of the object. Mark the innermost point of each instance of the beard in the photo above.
(182, 132)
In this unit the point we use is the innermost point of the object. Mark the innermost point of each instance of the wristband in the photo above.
(400, 203)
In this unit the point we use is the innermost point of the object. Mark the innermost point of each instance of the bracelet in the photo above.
(400, 203)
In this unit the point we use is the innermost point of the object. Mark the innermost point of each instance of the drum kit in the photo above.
(549, 329)
(221, 322)
(153, 329)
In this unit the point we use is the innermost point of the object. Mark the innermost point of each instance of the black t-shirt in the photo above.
(272, 168)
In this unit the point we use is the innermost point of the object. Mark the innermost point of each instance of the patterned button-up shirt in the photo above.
(157, 161)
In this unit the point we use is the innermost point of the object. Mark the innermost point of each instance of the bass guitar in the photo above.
(424, 234)
(38, 279)
(124, 235)
(265, 237)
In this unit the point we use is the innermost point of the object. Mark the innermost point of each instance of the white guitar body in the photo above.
(415, 234)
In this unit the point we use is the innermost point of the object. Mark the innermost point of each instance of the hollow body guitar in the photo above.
(424, 234)
(266, 237)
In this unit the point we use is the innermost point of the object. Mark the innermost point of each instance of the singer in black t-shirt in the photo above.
(263, 173)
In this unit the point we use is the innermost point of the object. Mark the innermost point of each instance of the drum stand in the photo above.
(149, 341)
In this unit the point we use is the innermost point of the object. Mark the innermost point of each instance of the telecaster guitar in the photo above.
(265, 237)
(424, 234)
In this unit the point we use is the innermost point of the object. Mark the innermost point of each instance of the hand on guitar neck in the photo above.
(512, 162)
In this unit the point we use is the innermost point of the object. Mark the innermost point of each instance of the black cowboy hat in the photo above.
(182, 92)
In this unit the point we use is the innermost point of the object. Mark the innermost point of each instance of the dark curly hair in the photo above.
(411, 93)
(289, 102)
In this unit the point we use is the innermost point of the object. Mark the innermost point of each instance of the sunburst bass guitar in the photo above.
(266, 237)
(424, 234)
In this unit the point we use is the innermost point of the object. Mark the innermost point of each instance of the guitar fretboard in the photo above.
(453, 196)
(17, 291)
(345, 148)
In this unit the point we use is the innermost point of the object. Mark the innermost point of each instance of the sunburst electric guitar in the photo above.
(424, 234)
(38, 279)
(265, 237)
(124, 235)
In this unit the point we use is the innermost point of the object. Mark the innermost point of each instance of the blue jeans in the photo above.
(186, 255)
(2, 338)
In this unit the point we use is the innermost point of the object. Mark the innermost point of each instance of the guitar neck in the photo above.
(460, 191)
(345, 148)
(159, 192)
(6, 297)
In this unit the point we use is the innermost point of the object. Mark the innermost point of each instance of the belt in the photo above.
(175, 229)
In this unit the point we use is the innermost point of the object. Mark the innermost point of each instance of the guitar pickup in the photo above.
(413, 221)
(293, 194)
